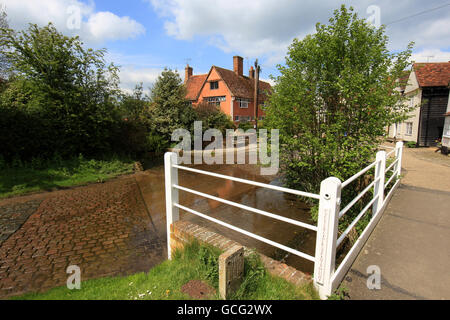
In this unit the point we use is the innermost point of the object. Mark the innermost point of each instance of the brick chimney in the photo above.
(238, 65)
(188, 73)
(251, 73)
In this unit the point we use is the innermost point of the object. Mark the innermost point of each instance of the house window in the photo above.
(214, 85)
(409, 128)
(236, 118)
(243, 103)
(215, 100)
(411, 102)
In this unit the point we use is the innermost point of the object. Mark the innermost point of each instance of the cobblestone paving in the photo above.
(12, 216)
(103, 228)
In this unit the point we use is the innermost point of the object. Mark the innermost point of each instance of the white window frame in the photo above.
(408, 128)
(243, 103)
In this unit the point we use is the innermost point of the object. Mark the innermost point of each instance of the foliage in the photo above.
(245, 125)
(212, 117)
(39, 174)
(4, 64)
(340, 294)
(333, 100)
(411, 144)
(59, 88)
(169, 110)
(134, 106)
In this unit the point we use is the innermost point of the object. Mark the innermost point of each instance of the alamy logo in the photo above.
(374, 279)
(258, 151)
(74, 280)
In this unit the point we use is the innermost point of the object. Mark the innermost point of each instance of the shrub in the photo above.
(212, 117)
(411, 144)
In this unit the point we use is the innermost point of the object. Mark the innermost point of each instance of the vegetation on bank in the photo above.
(332, 102)
(57, 96)
(18, 178)
(164, 282)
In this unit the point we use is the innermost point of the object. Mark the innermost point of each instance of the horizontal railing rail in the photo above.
(244, 207)
(326, 276)
(253, 183)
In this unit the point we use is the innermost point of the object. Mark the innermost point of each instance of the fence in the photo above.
(326, 276)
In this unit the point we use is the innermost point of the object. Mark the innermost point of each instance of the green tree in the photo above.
(69, 86)
(170, 110)
(4, 65)
(134, 106)
(334, 98)
(212, 117)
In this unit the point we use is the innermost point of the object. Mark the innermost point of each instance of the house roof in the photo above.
(193, 86)
(433, 74)
(240, 86)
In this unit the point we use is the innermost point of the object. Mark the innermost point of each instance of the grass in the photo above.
(20, 178)
(164, 282)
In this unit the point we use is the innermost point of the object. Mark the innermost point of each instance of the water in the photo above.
(152, 187)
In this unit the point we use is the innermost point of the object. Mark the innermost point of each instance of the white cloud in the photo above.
(266, 27)
(431, 55)
(93, 27)
(130, 76)
(108, 26)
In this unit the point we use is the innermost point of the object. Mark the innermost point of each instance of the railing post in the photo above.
(327, 227)
(171, 178)
(378, 189)
(398, 155)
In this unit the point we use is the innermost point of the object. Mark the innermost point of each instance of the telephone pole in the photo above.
(255, 100)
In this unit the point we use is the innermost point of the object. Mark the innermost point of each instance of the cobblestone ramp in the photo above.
(103, 228)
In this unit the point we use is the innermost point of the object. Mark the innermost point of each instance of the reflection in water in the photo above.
(152, 186)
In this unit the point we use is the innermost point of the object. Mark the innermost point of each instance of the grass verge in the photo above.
(44, 175)
(164, 282)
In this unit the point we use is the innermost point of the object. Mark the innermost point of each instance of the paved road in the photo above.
(105, 229)
(411, 243)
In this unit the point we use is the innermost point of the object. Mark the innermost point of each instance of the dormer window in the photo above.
(214, 85)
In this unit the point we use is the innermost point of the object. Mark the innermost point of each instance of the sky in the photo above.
(145, 36)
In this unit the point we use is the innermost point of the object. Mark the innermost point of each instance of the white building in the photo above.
(428, 92)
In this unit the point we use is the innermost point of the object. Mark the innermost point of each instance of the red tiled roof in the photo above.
(240, 86)
(193, 86)
(243, 86)
(433, 74)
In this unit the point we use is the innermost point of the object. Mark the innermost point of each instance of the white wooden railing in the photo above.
(326, 276)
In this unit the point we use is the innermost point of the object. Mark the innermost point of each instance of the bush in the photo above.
(245, 125)
(212, 117)
(411, 144)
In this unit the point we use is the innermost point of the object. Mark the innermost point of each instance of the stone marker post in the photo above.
(231, 270)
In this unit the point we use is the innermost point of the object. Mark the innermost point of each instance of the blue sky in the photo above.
(144, 36)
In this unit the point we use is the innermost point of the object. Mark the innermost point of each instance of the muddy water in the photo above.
(152, 187)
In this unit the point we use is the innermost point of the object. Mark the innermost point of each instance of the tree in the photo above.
(212, 117)
(135, 105)
(170, 110)
(69, 86)
(333, 99)
(4, 65)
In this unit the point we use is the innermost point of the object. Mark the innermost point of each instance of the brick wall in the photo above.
(183, 231)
